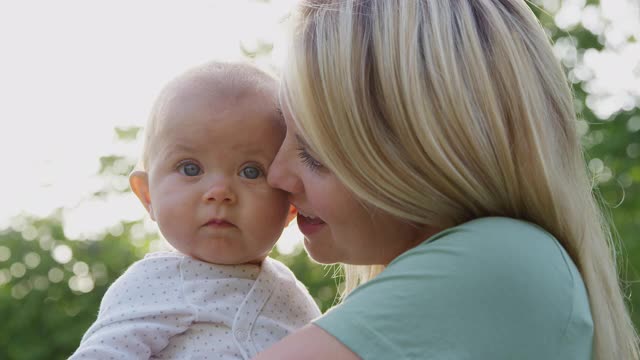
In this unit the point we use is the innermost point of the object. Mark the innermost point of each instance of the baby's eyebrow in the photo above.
(174, 149)
(184, 147)
(181, 148)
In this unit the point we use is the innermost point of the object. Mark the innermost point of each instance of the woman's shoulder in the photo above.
(495, 244)
(502, 233)
(500, 259)
(497, 281)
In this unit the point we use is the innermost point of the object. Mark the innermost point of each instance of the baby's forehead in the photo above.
(213, 88)
(217, 93)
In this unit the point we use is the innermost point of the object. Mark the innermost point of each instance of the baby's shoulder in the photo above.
(152, 267)
(274, 270)
(166, 256)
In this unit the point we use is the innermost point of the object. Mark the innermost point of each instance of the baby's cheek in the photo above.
(274, 199)
(173, 214)
(276, 210)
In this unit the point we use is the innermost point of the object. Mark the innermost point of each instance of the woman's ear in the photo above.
(292, 214)
(139, 182)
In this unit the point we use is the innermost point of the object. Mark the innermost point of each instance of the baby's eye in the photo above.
(250, 172)
(189, 169)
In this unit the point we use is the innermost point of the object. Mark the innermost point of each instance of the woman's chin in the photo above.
(319, 253)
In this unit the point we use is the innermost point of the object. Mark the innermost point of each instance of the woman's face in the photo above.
(336, 225)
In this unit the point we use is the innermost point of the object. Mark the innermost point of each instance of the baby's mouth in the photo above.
(218, 223)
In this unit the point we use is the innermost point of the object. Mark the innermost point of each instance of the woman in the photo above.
(431, 148)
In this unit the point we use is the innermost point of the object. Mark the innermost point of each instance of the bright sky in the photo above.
(72, 70)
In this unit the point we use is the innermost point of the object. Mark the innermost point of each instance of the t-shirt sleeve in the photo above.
(490, 289)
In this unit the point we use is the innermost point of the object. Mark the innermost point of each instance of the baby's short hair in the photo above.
(231, 79)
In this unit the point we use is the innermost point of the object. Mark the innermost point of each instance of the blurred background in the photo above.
(77, 79)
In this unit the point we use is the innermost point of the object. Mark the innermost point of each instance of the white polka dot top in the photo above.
(171, 306)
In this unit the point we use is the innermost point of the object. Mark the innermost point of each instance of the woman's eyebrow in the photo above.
(280, 114)
(301, 141)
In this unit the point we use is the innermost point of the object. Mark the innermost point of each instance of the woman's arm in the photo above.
(309, 343)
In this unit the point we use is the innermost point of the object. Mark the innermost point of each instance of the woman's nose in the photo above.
(220, 191)
(281, 174)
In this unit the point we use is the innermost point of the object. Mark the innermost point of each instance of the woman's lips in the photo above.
(309, 225)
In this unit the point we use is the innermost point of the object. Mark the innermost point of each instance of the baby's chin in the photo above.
(230, 260)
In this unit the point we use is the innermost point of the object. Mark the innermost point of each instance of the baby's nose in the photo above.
(220, 191)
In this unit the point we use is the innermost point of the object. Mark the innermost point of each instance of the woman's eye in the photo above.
(190, 169)
(309, 160)
(250, 172)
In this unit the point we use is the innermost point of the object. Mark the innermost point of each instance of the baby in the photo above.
(211, 136)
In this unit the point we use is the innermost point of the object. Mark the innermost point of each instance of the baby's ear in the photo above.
(139, 182)
(292, 214)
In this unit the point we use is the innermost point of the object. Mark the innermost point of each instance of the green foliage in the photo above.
(613, 151)
(127, 133)
(619, 150)
(260, 49)
(51, 286)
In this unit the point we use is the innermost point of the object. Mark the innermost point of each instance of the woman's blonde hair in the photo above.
(439, 112)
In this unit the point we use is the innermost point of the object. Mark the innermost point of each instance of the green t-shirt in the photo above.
(493, 288)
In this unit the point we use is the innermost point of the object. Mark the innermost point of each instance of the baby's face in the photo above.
(207, 177)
